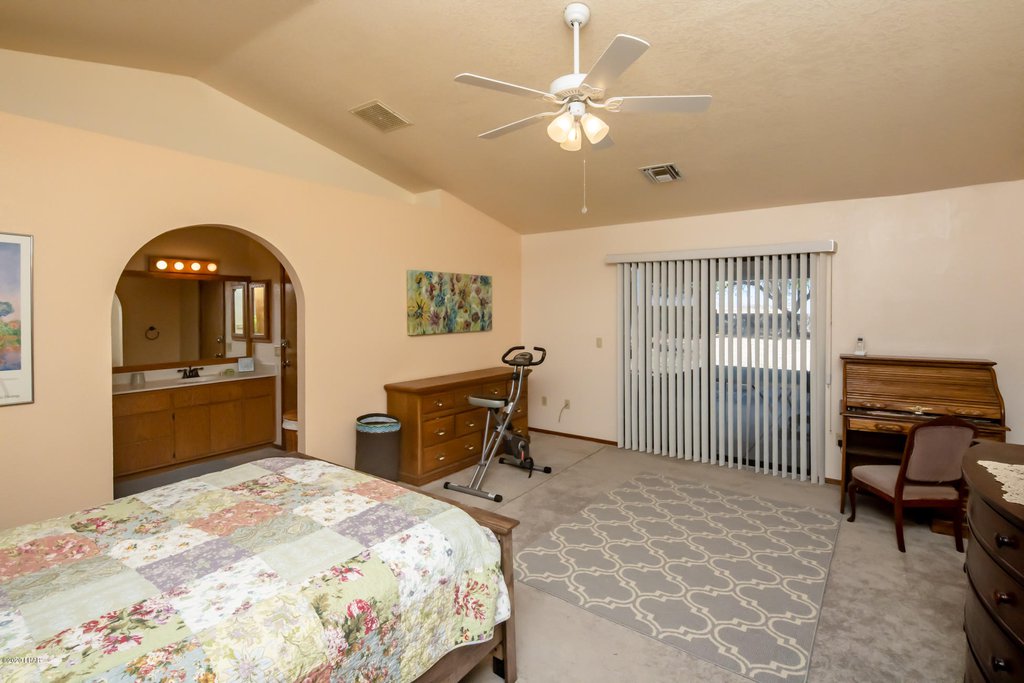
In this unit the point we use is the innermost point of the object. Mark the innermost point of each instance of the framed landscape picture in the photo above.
(15, 319)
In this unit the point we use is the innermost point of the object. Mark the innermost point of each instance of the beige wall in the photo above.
(932, 274)
(92, 201)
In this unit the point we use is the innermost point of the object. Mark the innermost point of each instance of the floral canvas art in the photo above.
(439, 303)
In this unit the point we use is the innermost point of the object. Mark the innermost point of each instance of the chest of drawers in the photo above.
(994, 606)
(441, 431)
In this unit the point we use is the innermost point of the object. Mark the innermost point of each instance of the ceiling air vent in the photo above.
(380, 117)
(661, 173)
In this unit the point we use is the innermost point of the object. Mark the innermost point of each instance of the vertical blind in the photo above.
(723, 359)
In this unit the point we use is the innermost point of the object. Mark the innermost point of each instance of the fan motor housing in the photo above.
(568, 86)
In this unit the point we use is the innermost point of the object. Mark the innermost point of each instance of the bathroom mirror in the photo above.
(173, 321)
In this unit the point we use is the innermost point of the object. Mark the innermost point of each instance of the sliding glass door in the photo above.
(723, 360)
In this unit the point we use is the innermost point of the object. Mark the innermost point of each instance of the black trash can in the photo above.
(378, 445)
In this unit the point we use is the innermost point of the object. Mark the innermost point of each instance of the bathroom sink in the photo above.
(196, 380)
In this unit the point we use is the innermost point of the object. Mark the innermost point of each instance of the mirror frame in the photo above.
(264, 313)
(239, 285)
(198, 361)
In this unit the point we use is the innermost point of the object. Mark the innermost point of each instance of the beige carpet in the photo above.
(734, 579)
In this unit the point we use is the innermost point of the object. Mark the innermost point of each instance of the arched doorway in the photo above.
(210, 351)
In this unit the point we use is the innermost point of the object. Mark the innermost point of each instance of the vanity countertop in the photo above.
(158, 385)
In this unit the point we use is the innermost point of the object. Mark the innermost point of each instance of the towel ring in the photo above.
(152, 333)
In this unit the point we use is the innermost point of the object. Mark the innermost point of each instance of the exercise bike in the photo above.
(497, 428)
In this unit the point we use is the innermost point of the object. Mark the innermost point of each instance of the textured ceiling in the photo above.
(814, 100)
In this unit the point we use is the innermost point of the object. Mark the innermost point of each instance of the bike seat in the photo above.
(487, 402)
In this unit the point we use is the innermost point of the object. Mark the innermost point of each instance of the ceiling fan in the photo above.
(577, 93)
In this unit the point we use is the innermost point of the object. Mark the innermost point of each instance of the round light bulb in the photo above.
(196, 266)
(212, 267)
(594, 127)
(178, 265)
(574, 141)
(161, 265)
(558, 130)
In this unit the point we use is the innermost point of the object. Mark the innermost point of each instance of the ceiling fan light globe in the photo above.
(560, 127)
(595, 128)
(574, 142)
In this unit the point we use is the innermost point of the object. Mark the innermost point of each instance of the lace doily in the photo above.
(1010, 476)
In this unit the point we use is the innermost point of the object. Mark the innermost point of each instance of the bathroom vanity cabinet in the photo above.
(164, 427)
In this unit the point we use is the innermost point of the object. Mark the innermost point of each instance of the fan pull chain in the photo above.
(584, 209)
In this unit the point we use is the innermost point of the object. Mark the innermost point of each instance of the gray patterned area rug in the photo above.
(730, 578)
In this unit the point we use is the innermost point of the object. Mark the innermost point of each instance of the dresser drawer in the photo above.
(462, 395)
(494, 390)
(861, 424)
(471, 422)
(999, 657)
(1002, 539)
(448, 452)
(519, 427)
(972, 670)
(435, 403)
(438, 430)
(1003, 596)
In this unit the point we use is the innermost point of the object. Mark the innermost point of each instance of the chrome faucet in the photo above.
(189, 372)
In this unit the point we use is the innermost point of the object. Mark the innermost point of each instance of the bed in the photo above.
(283, 569)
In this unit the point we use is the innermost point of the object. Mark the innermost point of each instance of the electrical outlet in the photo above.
(277, 350)
(565, 406)
(543, 400)
(600, 342)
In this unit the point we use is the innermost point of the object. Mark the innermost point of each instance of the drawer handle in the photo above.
(1003, 541)
(494, 392)
(471, 424)
(966, 411)
(440, 432)
(439, 404)
(470, 448)
(440, 457)
(1000, 664)
(887, 427)
(1002, 598)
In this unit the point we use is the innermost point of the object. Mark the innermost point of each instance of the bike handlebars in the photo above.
(524, 359)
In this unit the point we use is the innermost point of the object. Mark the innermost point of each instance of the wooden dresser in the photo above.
(994, 608)
(169, 426)
(884, 396)
(441, 432)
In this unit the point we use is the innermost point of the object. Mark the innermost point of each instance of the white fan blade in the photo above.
(516, 125)
(659, 103)
(617, 57)
(501, 86)
(605, 143)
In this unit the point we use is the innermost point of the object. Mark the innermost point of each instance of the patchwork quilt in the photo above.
(278, 570)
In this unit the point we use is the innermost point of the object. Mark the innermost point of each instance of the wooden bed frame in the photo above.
(502, 647)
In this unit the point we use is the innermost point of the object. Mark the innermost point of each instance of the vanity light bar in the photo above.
(181, 266)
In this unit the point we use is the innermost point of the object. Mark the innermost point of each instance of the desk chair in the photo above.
(928, 476)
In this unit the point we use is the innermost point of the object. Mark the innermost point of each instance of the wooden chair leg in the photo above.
(851, 489)
(958, 526)
(898, 519)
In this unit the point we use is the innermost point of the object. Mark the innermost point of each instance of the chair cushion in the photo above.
(883, 478)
